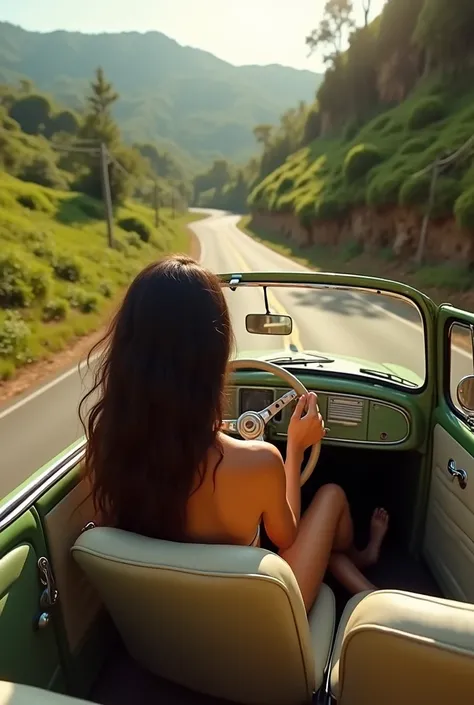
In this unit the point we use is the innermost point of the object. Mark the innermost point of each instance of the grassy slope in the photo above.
(311, 183)
(443, 283)
(60, 230)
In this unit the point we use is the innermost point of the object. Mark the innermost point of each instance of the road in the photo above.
(42, 423)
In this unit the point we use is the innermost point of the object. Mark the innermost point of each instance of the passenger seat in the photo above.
(15, 694)
(395, 647)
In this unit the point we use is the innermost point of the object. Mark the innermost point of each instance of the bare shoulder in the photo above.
(255, 456)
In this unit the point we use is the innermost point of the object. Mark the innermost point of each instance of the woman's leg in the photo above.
(325, 527)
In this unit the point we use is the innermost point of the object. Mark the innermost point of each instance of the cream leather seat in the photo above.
(395, 647)
(15, 694)
(225, 621)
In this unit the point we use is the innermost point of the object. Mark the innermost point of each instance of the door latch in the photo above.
(49, 595)
(457, 474)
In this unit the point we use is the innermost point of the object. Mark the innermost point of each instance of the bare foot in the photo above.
(378, 528)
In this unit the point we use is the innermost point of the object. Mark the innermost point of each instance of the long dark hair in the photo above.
(160, 385)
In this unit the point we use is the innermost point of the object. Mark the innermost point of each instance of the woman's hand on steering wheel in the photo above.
(307, 430)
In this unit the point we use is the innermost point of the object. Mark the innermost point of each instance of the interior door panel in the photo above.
(63, 519)
(27, 655)
(449, 536)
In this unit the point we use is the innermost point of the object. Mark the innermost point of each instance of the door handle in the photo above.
(457, 474)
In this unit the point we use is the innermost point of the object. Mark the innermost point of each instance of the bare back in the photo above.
(229, 505)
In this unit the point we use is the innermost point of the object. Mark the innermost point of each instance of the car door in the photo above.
(449, 531)
(52, 630)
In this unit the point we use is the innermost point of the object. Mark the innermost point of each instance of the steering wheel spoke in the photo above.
(251, 424)
(273, 409)
(229, 426)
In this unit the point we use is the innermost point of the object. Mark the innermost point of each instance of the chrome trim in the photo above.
(25, 498)
(457, 474)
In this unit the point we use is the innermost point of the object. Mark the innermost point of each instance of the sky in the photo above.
(238, 31)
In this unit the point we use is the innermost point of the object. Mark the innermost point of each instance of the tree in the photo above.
(64, 121)
(337, 21)
(366, 5)
(32, 113)
(263, 134)
(103, 96)
(444, 30)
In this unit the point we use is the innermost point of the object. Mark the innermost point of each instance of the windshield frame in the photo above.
(425, 306)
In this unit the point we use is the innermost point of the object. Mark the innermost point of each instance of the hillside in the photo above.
(399, 99)
(173, 95)
(58, 279)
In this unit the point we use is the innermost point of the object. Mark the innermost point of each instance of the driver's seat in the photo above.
(225, 621)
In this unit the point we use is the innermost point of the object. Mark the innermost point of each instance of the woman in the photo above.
(158, 462)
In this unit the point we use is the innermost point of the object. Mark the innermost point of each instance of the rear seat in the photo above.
(15, 694)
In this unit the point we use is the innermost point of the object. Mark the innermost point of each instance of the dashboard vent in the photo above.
(345, 411)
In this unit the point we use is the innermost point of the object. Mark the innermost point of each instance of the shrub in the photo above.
(106, 289)
(40, 282)
(15, 288)
(415, 191)
(464, 210)
(134, 224)
(55, 310)
(133, 240)
(14, 337)
(83, 300)
(35, 201)
(416, 145)
(68, 268)
(360, 160)
(381, 123)
(93, 209)
(384, 190)
(88, 303)
(43, 171)
(426, 112)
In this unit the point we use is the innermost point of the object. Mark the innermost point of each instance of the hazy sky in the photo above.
(238, 31)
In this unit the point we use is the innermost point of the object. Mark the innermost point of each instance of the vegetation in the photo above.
(58, 278)
(184, 100)
(390, 105)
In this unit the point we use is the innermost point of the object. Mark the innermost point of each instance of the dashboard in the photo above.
(350, 418)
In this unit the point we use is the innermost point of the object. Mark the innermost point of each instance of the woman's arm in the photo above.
(282, 493)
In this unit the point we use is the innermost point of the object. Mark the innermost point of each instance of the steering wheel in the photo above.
(251, 424)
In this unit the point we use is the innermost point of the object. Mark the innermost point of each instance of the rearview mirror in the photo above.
(465, 392)
(268, 324)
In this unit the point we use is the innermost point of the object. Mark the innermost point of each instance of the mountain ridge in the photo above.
(170, 93)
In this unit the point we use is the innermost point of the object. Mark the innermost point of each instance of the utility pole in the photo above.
(104, 170)
(424, 228)
(156, 204)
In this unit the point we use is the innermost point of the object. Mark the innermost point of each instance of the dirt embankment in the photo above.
(373, 244)
(396, 230)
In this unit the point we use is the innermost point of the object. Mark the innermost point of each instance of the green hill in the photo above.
(400, 98)
(176, 96)
(58, 278)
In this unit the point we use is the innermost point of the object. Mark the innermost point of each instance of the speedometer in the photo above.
(256, 399)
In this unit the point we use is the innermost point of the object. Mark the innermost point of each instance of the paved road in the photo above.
(40, 425)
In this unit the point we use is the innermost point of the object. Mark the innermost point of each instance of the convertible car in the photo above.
(93, 613)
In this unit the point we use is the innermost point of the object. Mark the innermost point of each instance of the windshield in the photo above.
(340, 330)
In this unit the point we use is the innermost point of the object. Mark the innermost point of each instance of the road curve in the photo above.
(40, 424)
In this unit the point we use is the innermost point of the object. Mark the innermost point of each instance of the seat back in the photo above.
(397, 647)
(228, 621)
(16, 694)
